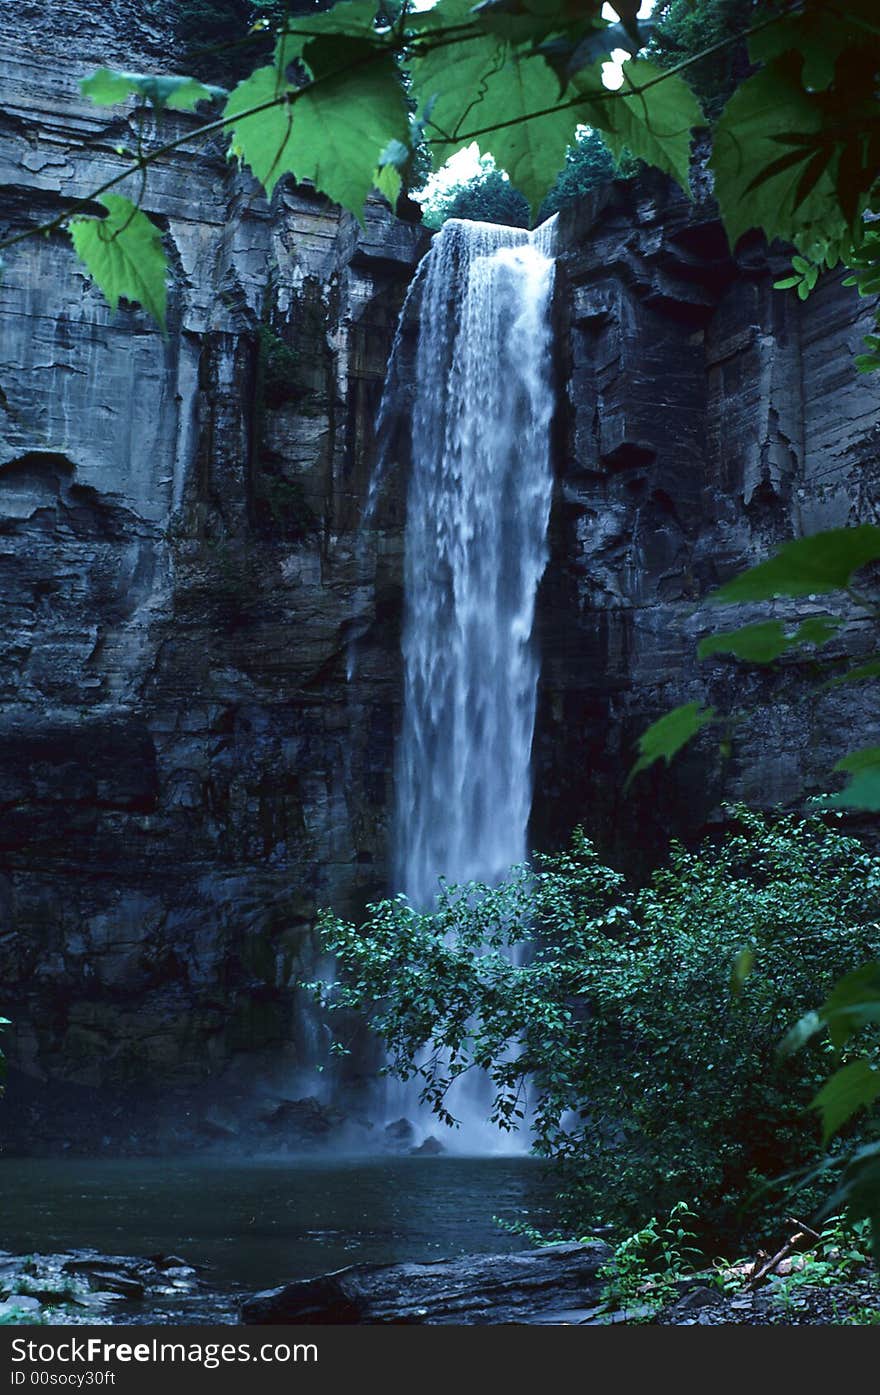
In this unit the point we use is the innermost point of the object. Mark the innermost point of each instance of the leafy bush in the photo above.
(645, 1268)
(643, 1025)
(841, 1253)
(489, 197)
(588, 165)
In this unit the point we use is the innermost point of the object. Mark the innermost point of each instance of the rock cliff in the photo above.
(704, 417)
(186, 770)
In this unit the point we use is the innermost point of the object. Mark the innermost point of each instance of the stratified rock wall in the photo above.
(704, 417)
(185, 770)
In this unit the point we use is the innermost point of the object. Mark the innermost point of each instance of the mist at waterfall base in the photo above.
(478, 508)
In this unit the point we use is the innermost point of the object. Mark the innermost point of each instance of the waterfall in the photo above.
(475, 550)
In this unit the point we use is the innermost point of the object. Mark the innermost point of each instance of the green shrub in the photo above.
(589, 165)
(646, 1048)
(645, 1268)
(278, 368)
(489, 197)
(486, 197)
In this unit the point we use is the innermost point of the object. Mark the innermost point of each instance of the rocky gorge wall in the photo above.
(704, 418)
(186, 771)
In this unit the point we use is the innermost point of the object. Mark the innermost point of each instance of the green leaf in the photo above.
(853, 1087)
(396, 153)
(522, 20)
(123, 253)
(855, 675)
(853, 1003)
(860, 760)
(343, 126)
(765, 641)
(334, 132)
(785, 162)
(105, 88)
(756, 644)
(181, 94)
(655, 125)
(570, 53)
(818, 36)
(482, 82)
(809, 566)
(478, 85)
(743, 965)
(355, 18)
(531, 151)
(803, 1031)
(810, 177)
(863, 790)
(388, 181)
(448, 79)
(665, 737)
(767, 105)
(456, 86)
(817, 630)
(859, 1192)
(264, 139)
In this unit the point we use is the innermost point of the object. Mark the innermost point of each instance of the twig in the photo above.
(808, 1229)
(793, 1243)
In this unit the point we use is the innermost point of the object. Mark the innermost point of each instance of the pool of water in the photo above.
(257, 1224)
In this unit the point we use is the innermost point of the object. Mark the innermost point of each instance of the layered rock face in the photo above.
(704, 417)
(187, 770)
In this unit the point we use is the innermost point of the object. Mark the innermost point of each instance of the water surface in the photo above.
(261, 1223)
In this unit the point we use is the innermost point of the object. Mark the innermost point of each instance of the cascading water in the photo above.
(477, 514)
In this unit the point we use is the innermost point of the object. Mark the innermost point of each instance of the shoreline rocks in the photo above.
(473, 1289)
(80, 1286)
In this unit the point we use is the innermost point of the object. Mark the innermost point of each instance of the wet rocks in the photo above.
(21, 1307)
(430, 1147)
(304, 1122)
(473, 1289)
(399, 1136)
(87, 1286)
